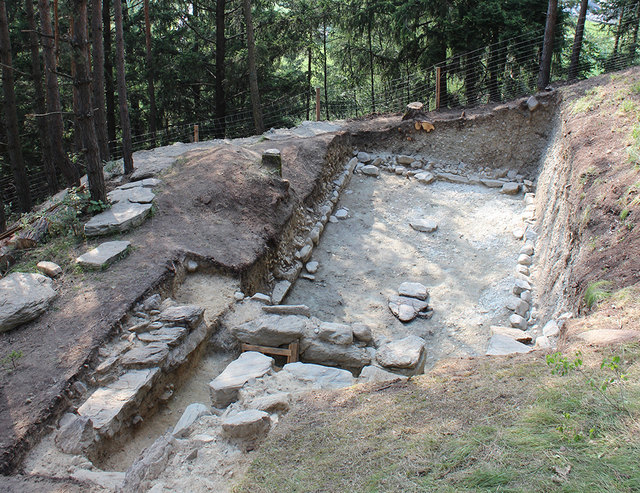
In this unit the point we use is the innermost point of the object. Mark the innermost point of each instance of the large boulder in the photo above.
(149, 465)
(325, 353)
(271, 330)
(403, 354)
(318, 376)
(189, 315)
(75, 435)
(247, 426)
(23, 297)
(224, 388)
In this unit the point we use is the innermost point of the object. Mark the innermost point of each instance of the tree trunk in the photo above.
(444, 93)
(373, 91)
(196, 84)
(127, 152)
(471, 80)
(97, 40)
(221, 111)
(634, 37)
(253, 73)
(544, 75)
(150, 72)
(11, 115)
(577, 41)
(324, 61)
(3, 219)
(618, 34)
(108, 72)
(309, 88)
(84, 111)
(54, 111)
(40, 104)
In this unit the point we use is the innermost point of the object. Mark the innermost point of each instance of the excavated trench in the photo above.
(361, 230)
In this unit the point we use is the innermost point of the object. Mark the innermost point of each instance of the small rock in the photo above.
(526, 296)
(288, 310)
(342, 214)
(524, 259)
(75, 435)
(407, 353)
(272, 403)
(370, 170)
(518, 233)
(424, 225)
(363, 157)
(23, 297)
(510, 188)
(141, 327)
(517, 321)
(362, 332)
(153, 354)
(247, 426)
(370, 374)
(238, 296)
(511, 174)
(515, 334)
(191, 266)
(304, 254)
(224, 388)
(413, 290)
(523, 269)
(153, 302)
(551, 329)
(425, 177)
(190, 415)
(185, 315)
(312, 267)
(491, 183)
(335, 333)
(318, 376)
(532, 103)
(280, 290)
(501, 345)
(49, 269)
(542, 342)
(404, 159)
(79, 388)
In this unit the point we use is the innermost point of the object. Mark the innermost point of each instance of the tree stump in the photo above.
(414, 110)
(32, 234)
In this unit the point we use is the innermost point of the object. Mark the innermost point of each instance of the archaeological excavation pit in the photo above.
(326, 307)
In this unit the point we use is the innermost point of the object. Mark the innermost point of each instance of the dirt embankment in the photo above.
(588, 189)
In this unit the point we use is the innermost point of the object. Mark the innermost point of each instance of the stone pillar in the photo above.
(272, 160)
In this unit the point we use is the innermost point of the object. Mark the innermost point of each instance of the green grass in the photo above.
(596, 292)
(590, 101)
(492, 426)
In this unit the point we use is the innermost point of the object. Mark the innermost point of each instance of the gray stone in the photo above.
(335, 333)
(370, 170)
(407, 353)
(191, 414)
(312, 267)
(121, 217)
(272, 159)
(511, 174)
(377, 161)
(342, 214)
(153, 354)
(147, 182)
(515, 334)
(143, 326)
(525, 260)
(110, 481)
(261, 297)
(139, 195)
(49, 269)
(517, 321)
(527, 297)
(104, 254)
(314, 235)
(189, 315)
(272, 403)
(425, 177)
(152, 302)
(404, 159)
(325, 353)
(413, 290)
(527, 249)
(363, 157)
(532, 103)
(151, 463)
(489, 183)
(510, 188)
(288, 310)
(75, 435)
(167, 335)
(424, 225)
(280, 290)
(518, 233)
(304, 254)
(318, 376)
(23, 297)
(542, 342)
(416, 165)
(521, 286)
(523, 269)
(247, 426)
(450, 177)
(517, 305)
(224, 388)
(333, 219)
(191, 266)
(109, 406)
(551, 329)
(238, 296)
(271, 330)
(405, 308)
(399, 170)
(362, 332)
(370, 374)
(501, 345)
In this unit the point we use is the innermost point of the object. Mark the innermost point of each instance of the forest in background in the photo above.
(237, 67)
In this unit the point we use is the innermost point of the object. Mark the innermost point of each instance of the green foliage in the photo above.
(596, 292)
(67, 218)
(9, 362)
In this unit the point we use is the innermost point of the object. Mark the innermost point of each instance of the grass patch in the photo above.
(596, 292)
(487, 425)
(590, 101)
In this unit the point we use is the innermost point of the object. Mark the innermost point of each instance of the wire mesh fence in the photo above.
(495, 73)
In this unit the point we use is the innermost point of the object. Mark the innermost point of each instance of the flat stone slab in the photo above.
(407, 353)
(247, 425)
(515, 334)
(370, 170)
(318, 376)
(489, 183)
(425, 177)
(224, 388)
(271, 330)
(147, 183)
(108, 405)
(23, 297)
(280, 290)
(123, 216)
(325, 353)
(370, 374)
(104, 254)
(450, 177)
(189, 315)
(153, 354)
(139, 195)
(335, 333)
(49, 269)
(510, 188)
(501, 345)
(424, 225)
(413, 290)
(605, 337)
(167, 335)
(287, 310)
(190, 415)
(406, 309)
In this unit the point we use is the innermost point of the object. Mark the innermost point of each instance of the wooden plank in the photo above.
(438, 77)
(317, 104)
(196, 133)
(294, 347)
(278, 351)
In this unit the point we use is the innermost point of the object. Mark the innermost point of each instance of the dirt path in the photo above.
(467, 264)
